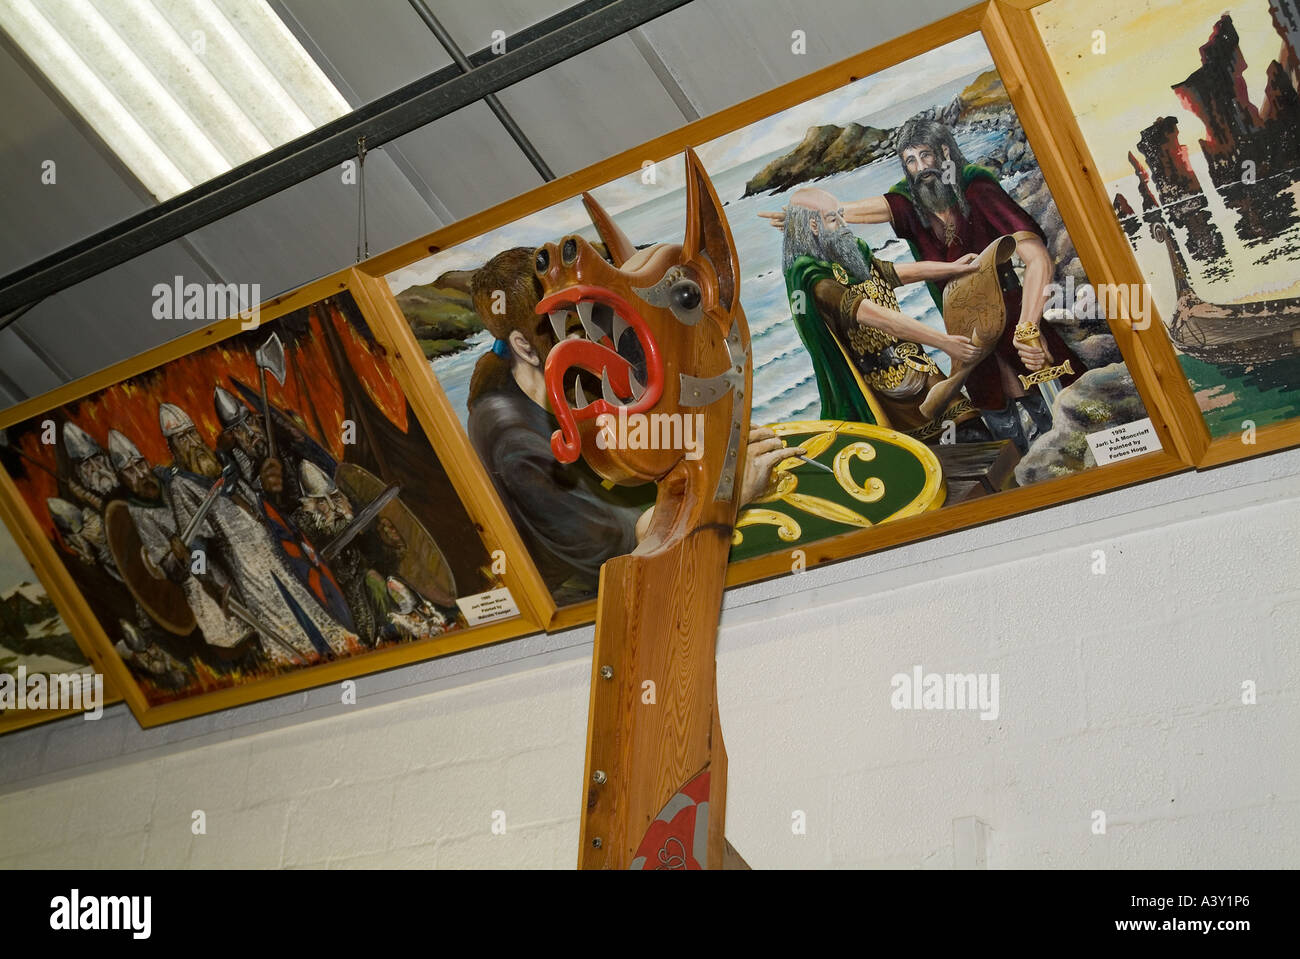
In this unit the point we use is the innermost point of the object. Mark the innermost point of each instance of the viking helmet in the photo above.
(230, 411)
(80, 445)
(66, 516)
(173, 420)
(315, 481)
(121, 451)
(403, 596)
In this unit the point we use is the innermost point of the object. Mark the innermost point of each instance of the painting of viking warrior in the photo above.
(92, 482)
(255, 497)
(243, 438)
(71, 529)
(324, 514)
(164, 554)
(192, 452)
(241, 548)
(411, 616)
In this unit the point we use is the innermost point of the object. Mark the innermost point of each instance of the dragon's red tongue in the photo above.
(566, 442)
(599, 360)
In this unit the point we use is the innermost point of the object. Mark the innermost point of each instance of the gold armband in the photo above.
(888, 273)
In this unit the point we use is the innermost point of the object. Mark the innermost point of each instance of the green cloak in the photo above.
(841, 396)
(969, 172)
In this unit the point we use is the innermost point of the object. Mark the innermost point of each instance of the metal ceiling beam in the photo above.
(493, 103)
(552, 41)
(665, 75)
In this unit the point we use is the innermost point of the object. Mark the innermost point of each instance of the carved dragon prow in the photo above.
(665, 336)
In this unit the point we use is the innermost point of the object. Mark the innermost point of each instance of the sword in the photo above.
(192, 527)
(1046, 378)
(359, 522)
(241, 612)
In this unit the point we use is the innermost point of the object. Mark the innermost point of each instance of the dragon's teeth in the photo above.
(579, 398)
(557, 322)
(620, 327)
(594, 332)
(637, 389)
(607, 389)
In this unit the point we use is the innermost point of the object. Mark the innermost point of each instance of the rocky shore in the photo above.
(440, 313)
(830, 149)
(1098, 400)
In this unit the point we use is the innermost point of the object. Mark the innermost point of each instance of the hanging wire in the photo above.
(363, 227)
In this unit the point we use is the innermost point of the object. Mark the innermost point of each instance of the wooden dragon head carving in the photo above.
(664, 333)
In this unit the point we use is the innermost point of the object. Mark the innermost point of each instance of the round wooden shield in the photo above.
(873, 475)
(423, 564)
(162, 599)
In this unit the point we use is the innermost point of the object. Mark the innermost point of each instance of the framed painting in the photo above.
(1190, 113)
(909, 246)
(45, 673)
(261, 506)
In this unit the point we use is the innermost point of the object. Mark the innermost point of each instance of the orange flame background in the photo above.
(131, 407)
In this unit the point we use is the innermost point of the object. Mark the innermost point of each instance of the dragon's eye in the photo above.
(685, 294)
(543, 260)
(569, 251)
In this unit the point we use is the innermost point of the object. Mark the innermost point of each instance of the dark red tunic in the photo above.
(992, 214)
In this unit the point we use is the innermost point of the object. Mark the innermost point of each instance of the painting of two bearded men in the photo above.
(873, 362)
(870, 358)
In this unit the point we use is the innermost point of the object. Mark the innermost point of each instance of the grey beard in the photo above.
(333, 524)
(842, 247)
(97, 478)
(932, 195)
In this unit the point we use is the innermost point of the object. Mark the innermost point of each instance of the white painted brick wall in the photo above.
(1119, 692)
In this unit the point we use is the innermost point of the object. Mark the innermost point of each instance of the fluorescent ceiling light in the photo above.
(180, 90)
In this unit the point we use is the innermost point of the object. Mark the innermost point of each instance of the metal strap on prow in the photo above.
(703, 391)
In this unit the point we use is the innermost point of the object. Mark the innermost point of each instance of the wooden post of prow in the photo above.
(656, 771)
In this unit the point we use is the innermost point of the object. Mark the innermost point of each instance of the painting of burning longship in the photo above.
(263, 505)
(1190, 109)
